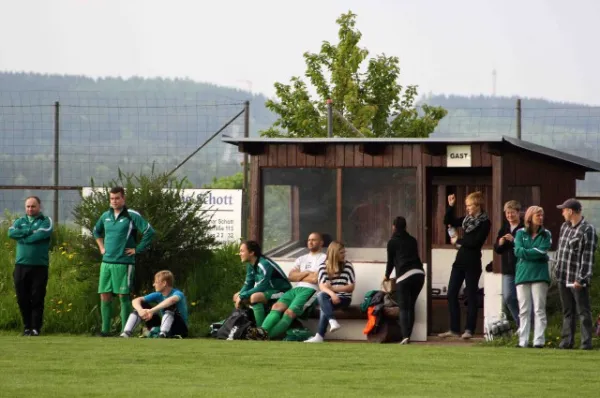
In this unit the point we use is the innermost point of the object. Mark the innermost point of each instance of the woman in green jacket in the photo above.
(532, 276)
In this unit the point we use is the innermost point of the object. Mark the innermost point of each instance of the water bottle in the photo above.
(451, 232)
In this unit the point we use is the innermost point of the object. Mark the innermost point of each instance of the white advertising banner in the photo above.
(223, 207)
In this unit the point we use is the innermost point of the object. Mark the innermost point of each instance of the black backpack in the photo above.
(236, 325)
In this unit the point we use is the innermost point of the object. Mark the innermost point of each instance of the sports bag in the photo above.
(236, 325)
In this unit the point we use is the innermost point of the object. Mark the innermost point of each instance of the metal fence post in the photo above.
(56, 159)
(245, 188)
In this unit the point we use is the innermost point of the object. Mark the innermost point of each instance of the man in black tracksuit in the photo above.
(32, 234)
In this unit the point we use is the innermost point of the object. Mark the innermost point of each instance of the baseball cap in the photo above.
(572, 204)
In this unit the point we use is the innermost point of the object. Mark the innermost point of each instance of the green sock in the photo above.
(259, 313)
(271, 320)
(106, 312)
(126, 309)
(282, 326)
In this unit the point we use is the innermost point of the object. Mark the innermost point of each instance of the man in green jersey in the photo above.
(265, 281)
(115, 233)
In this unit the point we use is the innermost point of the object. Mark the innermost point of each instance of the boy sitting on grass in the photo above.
(170, 314)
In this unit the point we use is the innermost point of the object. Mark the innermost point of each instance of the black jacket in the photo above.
(509, 261)
(469, 253)
(402, 254)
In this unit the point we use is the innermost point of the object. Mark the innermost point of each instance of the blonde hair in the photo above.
(531, 211)
(512, 205)
(166, 276)
(476, 198)
(333, 265)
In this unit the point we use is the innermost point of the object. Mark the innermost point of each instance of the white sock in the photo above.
(132, 322)
(167, 321)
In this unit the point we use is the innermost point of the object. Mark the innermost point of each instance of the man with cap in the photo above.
(575, 257)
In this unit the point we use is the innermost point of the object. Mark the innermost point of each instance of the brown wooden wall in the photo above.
(350, 155)
(354, 155)
(556, 181)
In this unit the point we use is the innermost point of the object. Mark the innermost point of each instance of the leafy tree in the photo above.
(235, 181)
(371, 101)
(182, 239)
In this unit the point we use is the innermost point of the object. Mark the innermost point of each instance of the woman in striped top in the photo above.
(336, 282)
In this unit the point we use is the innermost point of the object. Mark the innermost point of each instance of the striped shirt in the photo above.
(575, 254)
(346, 277)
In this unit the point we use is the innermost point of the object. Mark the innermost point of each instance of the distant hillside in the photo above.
(112, 123)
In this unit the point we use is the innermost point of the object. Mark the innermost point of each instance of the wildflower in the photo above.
(70, 304)
(60, 302)
(70, 256)
(57, 311)
(193, 303)
(63, 253)
(69, 310)
(61, 248)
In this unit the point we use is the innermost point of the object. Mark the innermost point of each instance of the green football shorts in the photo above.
(115, 278)
(299, 299)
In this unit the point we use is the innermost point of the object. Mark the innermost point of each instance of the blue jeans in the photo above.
(327, 307)
(509, 296)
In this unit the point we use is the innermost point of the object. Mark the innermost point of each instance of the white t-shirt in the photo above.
(309, 262)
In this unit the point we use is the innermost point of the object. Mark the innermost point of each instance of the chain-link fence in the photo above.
(95, 135)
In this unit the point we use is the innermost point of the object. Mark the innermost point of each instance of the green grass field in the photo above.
(99, 367)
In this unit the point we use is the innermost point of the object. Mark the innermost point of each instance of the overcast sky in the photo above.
(539, 48)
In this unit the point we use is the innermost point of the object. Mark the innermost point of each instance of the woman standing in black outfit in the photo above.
(467, 265)
(403, 256)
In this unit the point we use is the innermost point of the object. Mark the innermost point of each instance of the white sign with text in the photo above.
(224, 206)
(458, 156)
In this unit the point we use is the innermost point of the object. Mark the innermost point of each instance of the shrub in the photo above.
(182, 239)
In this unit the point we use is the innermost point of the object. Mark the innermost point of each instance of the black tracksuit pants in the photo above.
(30, 286)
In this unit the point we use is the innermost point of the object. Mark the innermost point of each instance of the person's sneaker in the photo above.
(467, 335)
(35, 332)
(449, 333)
(162, 335)
(27, 332)
(334, 325)
(315, 339)
(405, 340)
(125, 335)
(538, 346)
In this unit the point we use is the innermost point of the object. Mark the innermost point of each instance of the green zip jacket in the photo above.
(262, 276)
(120, 234)
(532, 256)
(33, 240)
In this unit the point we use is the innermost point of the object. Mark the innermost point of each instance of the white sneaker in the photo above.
(334, 325)
(315, 339)
(125, 334)
(405, 340)
(467, 335)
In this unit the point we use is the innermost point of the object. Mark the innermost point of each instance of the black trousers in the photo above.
(30, 286)
(471, 277)
(178, 328)
(407, 292)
